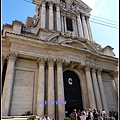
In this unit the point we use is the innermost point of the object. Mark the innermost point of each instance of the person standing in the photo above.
(78, 114)
(83, 117)
(95, 114)
(74, 115)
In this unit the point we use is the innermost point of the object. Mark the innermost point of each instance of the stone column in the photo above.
(40, 86)
(96, 89)
(51, 96)
(89, 28)
(58, 22)
(90, 88)
(104, 102)
(75, 27)
(8, 84)
(62, 22)
(50, 15)
(60, 90)
(73, 24)
(80, 29)
(85, 30)
(65, 26)
(43, 14)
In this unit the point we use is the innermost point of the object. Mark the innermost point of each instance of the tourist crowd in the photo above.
(88, 115)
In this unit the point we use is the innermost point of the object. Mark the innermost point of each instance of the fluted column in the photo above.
(80, 29)
(90, 88)
(96, 89)
(51, 96)
(50, 15)
(85, 30)
(40, 86)
(60, 90)
(8, 84)
(89, 29)
(43, 14)
(104, 102)
(58, 22)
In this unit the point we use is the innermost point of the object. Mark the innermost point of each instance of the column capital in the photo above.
(12, 56)
(43, 2)
(93, 69)
(57, 6)
(83, 15)
(50, 3)
(50, 61)
(87, 67)
(113, 73)
(87, 17)
(4, 57)
(59, 62)
(99, 70)
(41, 61)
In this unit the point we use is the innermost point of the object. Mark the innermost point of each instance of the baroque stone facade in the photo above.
(36, 55)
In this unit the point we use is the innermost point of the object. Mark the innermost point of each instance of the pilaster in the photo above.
(8, 84)
(85, 30)
(79, 24)
(58, 19)
(90, 88)
(89, 28)
(96, 90)
(50, 15)
(43, 14)
(104, 102)
(51, 96)
(40, 87)
(60, 89)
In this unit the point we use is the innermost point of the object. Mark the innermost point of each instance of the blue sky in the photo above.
(103, 35)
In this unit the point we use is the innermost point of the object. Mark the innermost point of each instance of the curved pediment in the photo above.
(86, 44)
(75, 43)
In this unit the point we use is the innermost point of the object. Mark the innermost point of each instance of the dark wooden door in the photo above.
(72, 92)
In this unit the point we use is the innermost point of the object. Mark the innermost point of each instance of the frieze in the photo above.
(74, 57)
(25, 48)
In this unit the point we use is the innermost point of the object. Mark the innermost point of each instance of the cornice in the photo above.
(100, 57)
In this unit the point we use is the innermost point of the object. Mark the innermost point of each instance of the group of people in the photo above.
(88, 115)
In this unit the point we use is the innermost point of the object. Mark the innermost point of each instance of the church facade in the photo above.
(51, 64)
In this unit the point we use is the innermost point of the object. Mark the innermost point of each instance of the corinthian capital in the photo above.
(113, 74)
(12, 56)
(50, 61)
(4, 57)
(87, 67)
(59, 62)
(41, 61)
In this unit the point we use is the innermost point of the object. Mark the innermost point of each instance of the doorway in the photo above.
(72, 91)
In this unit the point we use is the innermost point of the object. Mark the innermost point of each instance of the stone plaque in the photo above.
(22, 97)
